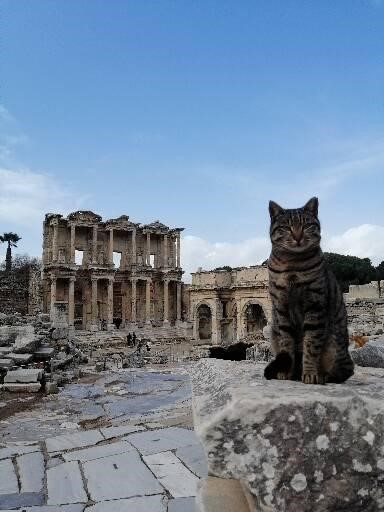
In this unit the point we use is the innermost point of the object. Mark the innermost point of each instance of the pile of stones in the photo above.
(33, 355)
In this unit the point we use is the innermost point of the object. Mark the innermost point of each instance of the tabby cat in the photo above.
(309, 319)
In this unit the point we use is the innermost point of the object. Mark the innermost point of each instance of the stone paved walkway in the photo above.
(132, 461)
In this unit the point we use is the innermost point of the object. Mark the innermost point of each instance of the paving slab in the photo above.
(31, 472)
(23, 375)
(144, 504)
(194, 458)
(73, 440)
(8, 478)
(119, 476)
(13, 450)
(123, 430)
(98, 452)
(182, 505)
(172, 474)
(15, 501)
(65, 485)
(53, 508)
(162, 440)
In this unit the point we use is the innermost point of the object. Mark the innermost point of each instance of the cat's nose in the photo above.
(297, 233)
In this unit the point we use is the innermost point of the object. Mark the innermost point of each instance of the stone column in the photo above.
(73, 235)
(148, 249)
(110, 324)
(148, 301)
(165, 252)
(166, 302)
(216, 324)
(178, 301)
(240, 323)
(174, 252)
(54, 242)
(134, 257)
(71, 302)
(123, 303)
(94, 244)
(178, 250)
(53, 297)
(133, 312)
(94, 319)
(110, 247)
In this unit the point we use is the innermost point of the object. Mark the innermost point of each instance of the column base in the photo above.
(93, 327)
(111, 327)
(148, 322)
(165, 322)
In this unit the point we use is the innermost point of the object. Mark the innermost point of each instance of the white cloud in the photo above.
(365, 241)
(197, 252)
(26, 196)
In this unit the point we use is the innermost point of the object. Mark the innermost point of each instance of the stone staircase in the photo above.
(161, 334)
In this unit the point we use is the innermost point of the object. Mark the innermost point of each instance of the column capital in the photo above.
(94, 278)
(72, 279)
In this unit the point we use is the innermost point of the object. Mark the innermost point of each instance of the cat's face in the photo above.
(295, 231)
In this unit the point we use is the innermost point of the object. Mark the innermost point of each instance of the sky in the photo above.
(196, 113)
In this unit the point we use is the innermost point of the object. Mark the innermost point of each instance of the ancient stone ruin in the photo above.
(226, 306)
(110, 273)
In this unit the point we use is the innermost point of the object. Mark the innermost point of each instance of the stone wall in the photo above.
(20, 291)
(365, 316)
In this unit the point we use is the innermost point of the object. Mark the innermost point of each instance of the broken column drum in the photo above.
(115, 270)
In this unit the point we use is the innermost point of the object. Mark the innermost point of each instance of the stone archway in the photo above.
(254, 318)
(204, 322)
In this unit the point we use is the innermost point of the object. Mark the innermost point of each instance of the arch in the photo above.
(254, 316)
(203, 315)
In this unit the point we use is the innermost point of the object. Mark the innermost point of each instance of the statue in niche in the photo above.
(100, 258)
(61, 256)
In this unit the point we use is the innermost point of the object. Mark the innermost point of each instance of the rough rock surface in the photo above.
(297, 447)
(371, 354)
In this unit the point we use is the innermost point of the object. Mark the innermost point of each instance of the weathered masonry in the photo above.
(226, 306)
(111, 272)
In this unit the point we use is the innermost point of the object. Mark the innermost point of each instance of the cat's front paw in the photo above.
(313, 378)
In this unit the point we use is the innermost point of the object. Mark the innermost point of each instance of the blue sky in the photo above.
(195, 113)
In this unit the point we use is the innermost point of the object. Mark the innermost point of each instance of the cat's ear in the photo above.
(312, 206)
(275, 209)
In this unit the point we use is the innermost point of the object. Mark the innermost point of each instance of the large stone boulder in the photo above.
(25, 343)
(371, 354)
(297, 447)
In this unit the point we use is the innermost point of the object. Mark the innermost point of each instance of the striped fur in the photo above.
(309, 319)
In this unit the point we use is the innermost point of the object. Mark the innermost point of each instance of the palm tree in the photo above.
(11, 239)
